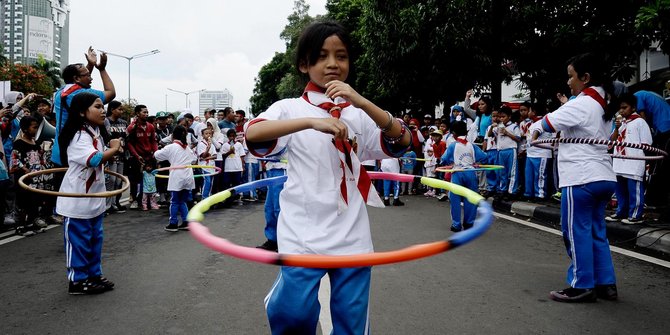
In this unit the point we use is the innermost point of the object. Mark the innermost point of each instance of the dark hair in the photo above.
(75, 121)
(597, 70)
(112, 105)
(312, 38)
(71, 71)
(526, 104)
(505, 110)
(539, 109)
(239, 111)
(459, 128)
(26, 121)
(228, 110)
(231, 132)
(179, 134)
(489, 105)
(138, 108)
(628, 98)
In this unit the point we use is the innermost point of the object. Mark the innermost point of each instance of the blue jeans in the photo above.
(251, 173)
(585, 234)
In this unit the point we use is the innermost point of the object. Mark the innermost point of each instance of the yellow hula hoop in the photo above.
(106, 194)
(217, 170)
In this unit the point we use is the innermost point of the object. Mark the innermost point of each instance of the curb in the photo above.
(650, 237)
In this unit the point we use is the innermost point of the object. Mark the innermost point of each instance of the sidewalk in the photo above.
(652, 236)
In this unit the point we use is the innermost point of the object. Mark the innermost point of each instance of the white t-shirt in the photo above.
(504, 141)
(579, 164)
(84, 175)
(535, 151)
(309, 222)
(632, 131)
(490, 140)
(200, 149)
(233, 162)
(178, 154)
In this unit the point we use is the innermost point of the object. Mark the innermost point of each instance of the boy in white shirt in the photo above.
(507, 136)
(233, 166)
(629, 173)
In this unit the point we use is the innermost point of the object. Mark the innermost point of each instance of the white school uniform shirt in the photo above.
(632, 131)
(430, 165)
(579, 164)
(233, 162)
(473, 132)
(178, 154)
(524, 130)
(535, 151)
(309, 222)
(390, 165)
(81, 177)
(504, 141)
(490, 140)
(200, 149)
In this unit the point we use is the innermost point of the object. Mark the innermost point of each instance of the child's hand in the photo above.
(115, 144)
(338, 88)
(332, 126)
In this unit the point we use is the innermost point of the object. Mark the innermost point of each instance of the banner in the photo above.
(40, 38)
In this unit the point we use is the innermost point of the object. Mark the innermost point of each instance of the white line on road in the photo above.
(18, 237)
(618, 250)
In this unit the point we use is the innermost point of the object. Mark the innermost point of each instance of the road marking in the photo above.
(12, 237)
(324, 299)
(618, 250)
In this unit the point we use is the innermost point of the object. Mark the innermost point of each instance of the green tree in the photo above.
(653, 20)
(267, 83)
(26, 79)
(51, 69)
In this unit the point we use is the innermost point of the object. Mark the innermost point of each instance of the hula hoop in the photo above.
(480, 167)
(660, 154)
(202, 234)
(415, 159)
(107, 194)
(217, 170)
(272, 160)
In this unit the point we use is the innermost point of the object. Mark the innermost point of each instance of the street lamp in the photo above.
(186, 93)
(129, 58)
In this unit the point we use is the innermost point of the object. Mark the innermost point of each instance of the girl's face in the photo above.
(333, 63)
(117, 112)
(503, 117)
(32, 130)
(430, 153)
(626, 110)
(207, 133)
(576, 83)
(443, 128)
(481, 105)
(95, 114)
(494, 117)
(523, 110)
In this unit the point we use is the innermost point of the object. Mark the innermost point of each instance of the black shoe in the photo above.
(455, 229)
(85, 287)
(120, 208)
(183, 226)
(387, 202)
(397, 202)
(442, 197)
(607, 292)
(172, 228)
(571, 294)
(24, 231)
(269, 246)
(104, 282)
(466, 226)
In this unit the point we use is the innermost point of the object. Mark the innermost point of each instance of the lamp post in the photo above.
(129, 58)
(186, 94)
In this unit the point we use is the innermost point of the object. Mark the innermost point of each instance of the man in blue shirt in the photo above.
(228, 121)
(656, 112)
(77, 78)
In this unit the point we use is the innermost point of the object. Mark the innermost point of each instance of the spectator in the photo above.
(142, 144)
(228, 121)
(117, 129)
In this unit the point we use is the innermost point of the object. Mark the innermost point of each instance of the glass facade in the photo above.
(215, 99)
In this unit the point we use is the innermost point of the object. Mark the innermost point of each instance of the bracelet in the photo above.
(394, 140)
(388, 125)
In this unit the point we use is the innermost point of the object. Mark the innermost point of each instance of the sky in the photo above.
(204, 44)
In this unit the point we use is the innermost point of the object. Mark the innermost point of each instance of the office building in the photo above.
(215, 99)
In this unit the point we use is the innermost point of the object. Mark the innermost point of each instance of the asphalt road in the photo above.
(167, 283)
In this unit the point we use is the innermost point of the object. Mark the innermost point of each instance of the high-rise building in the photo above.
(35, 28)
(215, 99)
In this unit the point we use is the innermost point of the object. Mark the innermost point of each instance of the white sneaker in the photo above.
(40, 223)
(133, 205)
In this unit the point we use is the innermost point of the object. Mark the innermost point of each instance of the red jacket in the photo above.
(142, 140)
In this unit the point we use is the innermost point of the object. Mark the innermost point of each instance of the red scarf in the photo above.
(590, 91)
(351, 166)
(622, 135)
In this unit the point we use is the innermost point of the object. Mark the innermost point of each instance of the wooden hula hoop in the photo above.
(106, 194)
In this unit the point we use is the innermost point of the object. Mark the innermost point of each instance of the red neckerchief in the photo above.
(590, 91)
(182, 145)
(348, 160)
(462, 140)
(622, 135)
(91, 178)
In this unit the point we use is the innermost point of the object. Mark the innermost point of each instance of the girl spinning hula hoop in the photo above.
(202, 234)
(216, 169)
